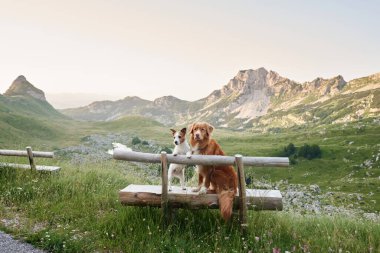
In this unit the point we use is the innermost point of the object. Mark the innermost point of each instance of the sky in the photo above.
(187, 49)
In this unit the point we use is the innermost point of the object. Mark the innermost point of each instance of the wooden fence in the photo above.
(31, 155)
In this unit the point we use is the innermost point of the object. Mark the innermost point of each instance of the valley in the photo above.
(337, 195)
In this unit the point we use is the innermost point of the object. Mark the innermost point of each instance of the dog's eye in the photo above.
(179, 137)
(203, 129)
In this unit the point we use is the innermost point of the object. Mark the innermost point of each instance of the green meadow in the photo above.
(77, 209)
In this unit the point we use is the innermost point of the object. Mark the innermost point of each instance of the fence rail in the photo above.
(5, 152)
(30, 154)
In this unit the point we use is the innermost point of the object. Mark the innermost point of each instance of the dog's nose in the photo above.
(176, 142)
(197, 135)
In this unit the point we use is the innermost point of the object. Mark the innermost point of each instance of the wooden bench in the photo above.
(30, 154)
(158, 195)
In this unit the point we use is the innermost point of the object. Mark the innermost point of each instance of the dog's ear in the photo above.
(183, 130)
(209, 129)
(173, 131)
(191, 127)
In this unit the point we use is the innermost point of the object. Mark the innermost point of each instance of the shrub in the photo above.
(167, 150)
(306, 151)
(289, 150)
(136, 140)
(310, 152)
(145, 143)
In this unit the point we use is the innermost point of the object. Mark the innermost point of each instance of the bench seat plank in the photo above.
(150, 195)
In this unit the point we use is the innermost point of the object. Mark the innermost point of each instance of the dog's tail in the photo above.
(226, 201)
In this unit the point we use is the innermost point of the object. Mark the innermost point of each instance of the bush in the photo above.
(306, 151)
(136, 140)
(289, 150)
(167, 150)
(145, 143)
(310, 152)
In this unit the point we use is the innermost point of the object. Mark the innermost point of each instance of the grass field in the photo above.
(77, 209)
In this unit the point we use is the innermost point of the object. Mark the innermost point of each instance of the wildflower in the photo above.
(257, 238)
(276, 250)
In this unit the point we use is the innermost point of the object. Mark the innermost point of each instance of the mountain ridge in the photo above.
(248, 100)
(257, 99)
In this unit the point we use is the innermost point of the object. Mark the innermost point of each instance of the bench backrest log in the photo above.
(239, 161)
(120, 154)
(30, 155)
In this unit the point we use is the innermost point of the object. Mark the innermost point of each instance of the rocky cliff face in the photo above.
(21, 87)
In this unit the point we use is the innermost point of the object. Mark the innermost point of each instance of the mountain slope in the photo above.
(24, 112)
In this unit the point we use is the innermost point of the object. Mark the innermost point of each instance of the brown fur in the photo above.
(220, 179)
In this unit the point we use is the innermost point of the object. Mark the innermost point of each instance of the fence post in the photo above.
(242, 193)
(31, 160)
(164, 191)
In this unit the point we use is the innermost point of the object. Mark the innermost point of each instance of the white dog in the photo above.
(181, 148)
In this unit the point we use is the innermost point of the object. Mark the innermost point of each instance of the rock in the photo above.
(315, 188)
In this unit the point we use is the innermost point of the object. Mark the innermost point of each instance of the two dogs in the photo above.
(219, 179)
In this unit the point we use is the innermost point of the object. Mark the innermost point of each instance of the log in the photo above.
(30, 157)
(27, 166)
(122, 154)
(150, 195)
(5, 152)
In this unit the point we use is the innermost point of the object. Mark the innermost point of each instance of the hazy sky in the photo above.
(183, 48)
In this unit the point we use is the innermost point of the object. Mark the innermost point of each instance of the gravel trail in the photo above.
(10, 245)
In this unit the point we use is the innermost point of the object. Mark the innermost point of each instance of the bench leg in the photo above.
(242, 193)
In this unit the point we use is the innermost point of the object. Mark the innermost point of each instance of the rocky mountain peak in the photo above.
(21, 87)
(325, 86)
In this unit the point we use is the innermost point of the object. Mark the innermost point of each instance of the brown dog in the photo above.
(220, 179)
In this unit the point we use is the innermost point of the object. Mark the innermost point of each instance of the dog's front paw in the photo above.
(175, 154)
(203, 190)
(184, 188)
(188, 154)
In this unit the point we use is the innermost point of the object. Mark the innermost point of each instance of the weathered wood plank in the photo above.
(150, 195)
(164, 190)
(5, 152)
(122, 154)
(27, 166)
(30, 157)
(242, 193)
